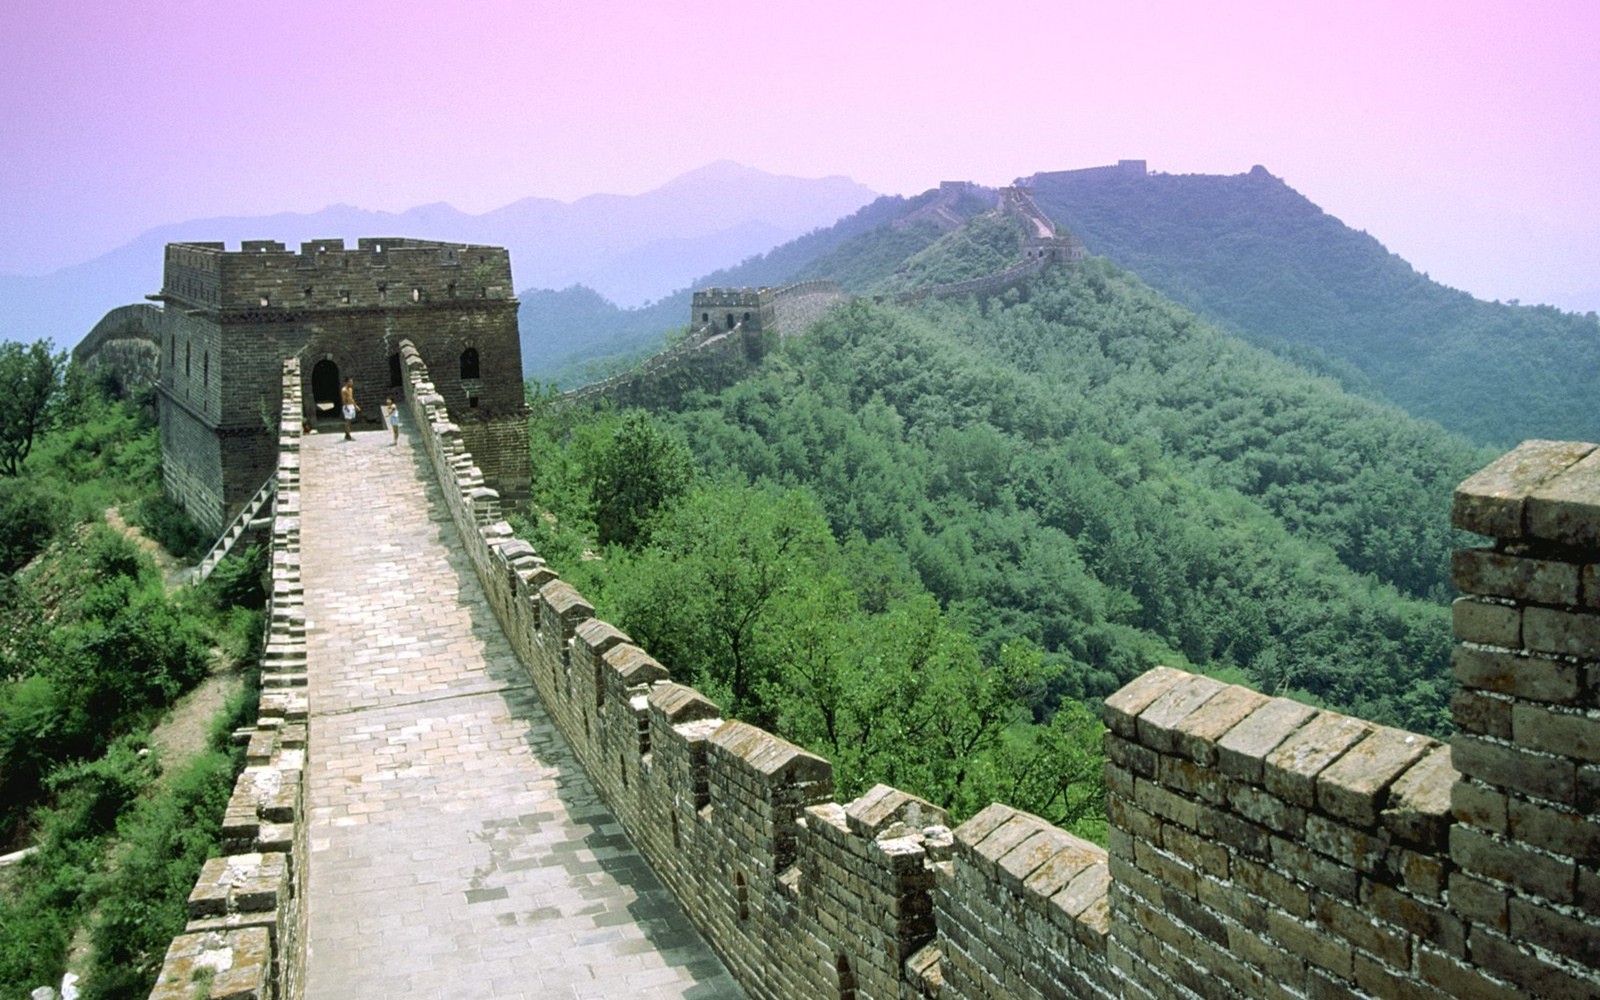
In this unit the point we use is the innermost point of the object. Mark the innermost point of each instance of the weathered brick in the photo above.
(1130, 756)
(1267, 883)
(1165, 868)
(1479, 805)
(1536, 677)
(1310, 942)
(1421, 874)
(1487, 622)
(1124, 815)
(1491, 501)
(1356, 846)
(1572, 834)
(1531, 871)
(1204, 854)
(1239, 834)
(1261, 806)
(1121, 711)
(1243, 750)
(1318, 869)
(1156, 723)
(1269, 956)
(1565, 508)
(1548, 777)
(1355, 787)
(1499, 574)
(1462, 981)
(1155, 799)
(1510, 960)
(1479, 901)
(1568, 633)
(1566, 733)
(1481, 714)
(1383, 980)
(1196, 735)
(1291, 769)
(1567, 935)
(1428, 921)
(1192, 779)
(1017, 864)
(1418, 807)
(1356, 926)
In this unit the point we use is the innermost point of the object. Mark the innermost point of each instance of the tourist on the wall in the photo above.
(391, 416)
(347, 402)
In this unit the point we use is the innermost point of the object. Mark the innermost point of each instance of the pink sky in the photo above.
(1464, 135)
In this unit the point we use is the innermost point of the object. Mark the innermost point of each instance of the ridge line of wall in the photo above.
(1258, 847)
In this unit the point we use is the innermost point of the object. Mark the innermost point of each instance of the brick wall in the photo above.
(1258, 847)
(246, 923)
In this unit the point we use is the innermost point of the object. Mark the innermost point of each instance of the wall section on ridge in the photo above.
(1258, 847)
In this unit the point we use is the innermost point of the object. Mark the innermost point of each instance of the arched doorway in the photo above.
(325, 388)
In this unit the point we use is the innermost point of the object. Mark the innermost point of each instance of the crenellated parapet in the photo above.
(246, 923)
(1258, 847)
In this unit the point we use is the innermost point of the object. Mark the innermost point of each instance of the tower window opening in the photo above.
(470, 367)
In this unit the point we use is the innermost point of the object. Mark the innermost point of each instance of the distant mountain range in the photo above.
(631, 249)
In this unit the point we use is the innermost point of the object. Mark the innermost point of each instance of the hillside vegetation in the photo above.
(1257, 256)
(94, 649)
(925, 541)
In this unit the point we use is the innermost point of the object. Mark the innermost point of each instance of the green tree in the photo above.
(637, 470)
(29, 378)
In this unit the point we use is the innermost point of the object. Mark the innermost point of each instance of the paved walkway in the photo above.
(457, 850)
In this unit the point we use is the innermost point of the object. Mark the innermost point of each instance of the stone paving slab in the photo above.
(457, 850)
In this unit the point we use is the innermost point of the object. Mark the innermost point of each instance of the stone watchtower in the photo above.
(233, 317)
(720, 310)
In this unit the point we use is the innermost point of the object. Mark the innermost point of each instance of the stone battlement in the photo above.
(379, 272)
(1258, 847)
(246, 924)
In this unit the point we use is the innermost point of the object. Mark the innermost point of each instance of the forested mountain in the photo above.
(1091, 462)
(1257, 256)
(1013, 505)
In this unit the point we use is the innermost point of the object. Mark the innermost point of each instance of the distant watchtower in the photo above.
(232, 317)
(719, 310)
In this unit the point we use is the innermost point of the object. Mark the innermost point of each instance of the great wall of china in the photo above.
(727, 324)
(1258, 847)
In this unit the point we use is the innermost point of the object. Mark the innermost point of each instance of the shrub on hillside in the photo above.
(167, 523)
(29, 518)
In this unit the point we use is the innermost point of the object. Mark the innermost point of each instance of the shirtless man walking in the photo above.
(348, 407)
